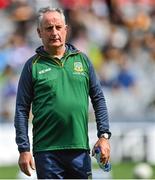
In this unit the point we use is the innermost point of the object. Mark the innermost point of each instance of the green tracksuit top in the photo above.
(59, 91)
(60, 104)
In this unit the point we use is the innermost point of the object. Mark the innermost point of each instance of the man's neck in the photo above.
(57, 52)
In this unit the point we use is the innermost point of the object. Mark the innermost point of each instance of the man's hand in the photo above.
(26, 163)
(104, 145)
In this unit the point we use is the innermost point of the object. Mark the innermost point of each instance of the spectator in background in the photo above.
(8, 94)
(4, 4)
(125, 77)
(19, 47)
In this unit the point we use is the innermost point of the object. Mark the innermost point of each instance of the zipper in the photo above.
(66, 58)
(54, 60)
(61, 64)
(58, 62)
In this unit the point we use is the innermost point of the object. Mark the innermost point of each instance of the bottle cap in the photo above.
(97, 150)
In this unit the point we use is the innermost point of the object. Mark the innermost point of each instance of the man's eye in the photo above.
(58, 27)
(49, 28)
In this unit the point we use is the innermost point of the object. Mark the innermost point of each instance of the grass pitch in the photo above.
(119, 171)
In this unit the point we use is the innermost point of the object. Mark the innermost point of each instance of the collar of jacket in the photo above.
(70, 49)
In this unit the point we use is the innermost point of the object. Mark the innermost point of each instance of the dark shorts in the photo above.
(63, 164)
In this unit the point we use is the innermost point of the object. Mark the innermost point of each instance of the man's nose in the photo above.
(54, 31)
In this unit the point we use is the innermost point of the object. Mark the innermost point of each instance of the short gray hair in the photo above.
(44, 10)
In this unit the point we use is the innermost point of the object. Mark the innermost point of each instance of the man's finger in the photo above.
(32, 165)
(93, 151)
(25, 169)
(104, 156)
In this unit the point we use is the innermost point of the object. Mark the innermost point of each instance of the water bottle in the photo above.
(106, 167)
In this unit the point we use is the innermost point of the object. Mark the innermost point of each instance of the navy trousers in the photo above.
(63, 164)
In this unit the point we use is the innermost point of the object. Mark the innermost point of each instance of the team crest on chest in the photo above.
(78, 67)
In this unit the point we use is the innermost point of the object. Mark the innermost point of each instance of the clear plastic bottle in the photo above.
(106, 167)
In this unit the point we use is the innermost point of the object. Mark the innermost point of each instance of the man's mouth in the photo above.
(55, 39)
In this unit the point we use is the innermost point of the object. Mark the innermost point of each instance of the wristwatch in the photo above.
(105, 135)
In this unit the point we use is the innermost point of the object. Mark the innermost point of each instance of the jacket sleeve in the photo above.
(98, 102)
(23, 104)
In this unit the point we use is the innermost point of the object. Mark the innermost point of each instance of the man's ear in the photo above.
(68, 31)
(67, 28)
(39, 33)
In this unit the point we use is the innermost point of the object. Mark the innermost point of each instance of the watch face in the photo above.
(105, 135)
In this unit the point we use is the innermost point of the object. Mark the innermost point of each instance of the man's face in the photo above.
(52, 30)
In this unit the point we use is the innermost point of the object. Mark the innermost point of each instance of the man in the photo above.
(58, 81)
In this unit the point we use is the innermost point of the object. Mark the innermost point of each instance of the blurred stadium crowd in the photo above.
(117, 35)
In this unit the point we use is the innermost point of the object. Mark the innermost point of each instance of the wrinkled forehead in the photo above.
(53, 17)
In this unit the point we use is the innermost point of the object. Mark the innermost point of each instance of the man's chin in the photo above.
(55, 45)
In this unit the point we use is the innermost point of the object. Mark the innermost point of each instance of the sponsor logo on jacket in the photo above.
(44, 71)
